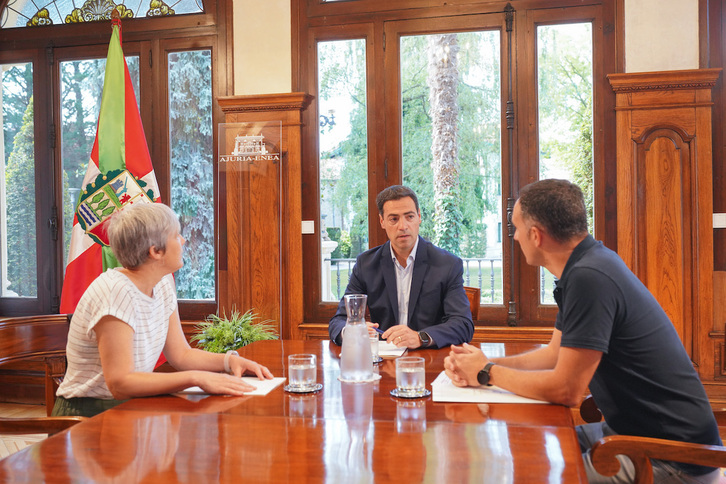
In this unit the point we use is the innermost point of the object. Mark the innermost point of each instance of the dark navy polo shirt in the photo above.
(645, 384)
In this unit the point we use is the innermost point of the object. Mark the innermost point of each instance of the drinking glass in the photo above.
(374, 349)
(410, 377)
(301, 373)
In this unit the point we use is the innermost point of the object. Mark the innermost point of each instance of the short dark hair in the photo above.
(557, 205)
(395, 192)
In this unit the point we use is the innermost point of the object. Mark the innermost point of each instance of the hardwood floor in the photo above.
(14, 443)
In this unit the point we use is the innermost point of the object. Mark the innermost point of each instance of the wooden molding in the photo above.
(489, 334)
(664, 80)
(265, 102)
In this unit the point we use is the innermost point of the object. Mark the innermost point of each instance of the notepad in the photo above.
(389, 349)
(263, 387)
(443, 390)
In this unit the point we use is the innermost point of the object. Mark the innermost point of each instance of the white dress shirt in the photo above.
(403, 282)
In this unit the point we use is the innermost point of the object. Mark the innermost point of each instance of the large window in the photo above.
(18, 271)
(450, 102)
(51, 92)
(465, 105)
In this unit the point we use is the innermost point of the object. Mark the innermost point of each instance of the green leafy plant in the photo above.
(219, 334)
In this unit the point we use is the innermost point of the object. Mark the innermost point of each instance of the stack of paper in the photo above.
(389, 349)
(263, 387)
(445, 391)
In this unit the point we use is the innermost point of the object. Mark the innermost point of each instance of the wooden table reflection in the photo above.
(344, 433)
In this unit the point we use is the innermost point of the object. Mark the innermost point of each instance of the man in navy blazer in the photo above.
(415, 289)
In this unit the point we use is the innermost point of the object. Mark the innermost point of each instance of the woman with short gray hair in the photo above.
(129, 315)
(146, 226)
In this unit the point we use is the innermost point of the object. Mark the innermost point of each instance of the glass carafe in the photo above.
(355, 360)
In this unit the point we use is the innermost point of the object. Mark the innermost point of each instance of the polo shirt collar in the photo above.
(586, 244)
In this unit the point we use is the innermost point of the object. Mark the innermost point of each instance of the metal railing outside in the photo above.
(484, 273)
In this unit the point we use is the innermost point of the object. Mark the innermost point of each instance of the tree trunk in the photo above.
(443, 80)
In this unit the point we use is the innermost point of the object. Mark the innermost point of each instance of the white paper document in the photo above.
(389, 349)
(444, 391)
(263, 386)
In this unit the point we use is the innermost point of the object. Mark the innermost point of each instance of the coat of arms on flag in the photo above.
(102, 198)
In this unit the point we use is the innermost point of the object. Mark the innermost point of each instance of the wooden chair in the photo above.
(37, 425)
(473, 294)
(641, 449)
(37, 337)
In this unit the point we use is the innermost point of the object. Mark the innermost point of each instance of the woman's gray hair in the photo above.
(136, 229)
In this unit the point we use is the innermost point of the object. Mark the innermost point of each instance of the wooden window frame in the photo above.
(151, 39)
(315, 20)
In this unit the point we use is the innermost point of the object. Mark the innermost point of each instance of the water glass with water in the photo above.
(374, 349)
(410, 376)
(302, 372)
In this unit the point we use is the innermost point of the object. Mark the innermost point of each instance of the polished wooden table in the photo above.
(345, 433)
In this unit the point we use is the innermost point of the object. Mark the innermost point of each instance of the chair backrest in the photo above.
(37, 337)
(474, 296)
(49, 425)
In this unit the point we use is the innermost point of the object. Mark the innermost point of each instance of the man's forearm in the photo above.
(538, 359)
(537, 384)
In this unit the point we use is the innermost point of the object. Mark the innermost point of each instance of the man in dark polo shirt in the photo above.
(610, 333)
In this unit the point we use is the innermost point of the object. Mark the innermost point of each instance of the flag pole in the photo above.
(116, 20)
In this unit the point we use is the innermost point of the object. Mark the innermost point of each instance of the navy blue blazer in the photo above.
(437, 302)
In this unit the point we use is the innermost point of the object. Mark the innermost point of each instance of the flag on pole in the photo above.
(119, 173)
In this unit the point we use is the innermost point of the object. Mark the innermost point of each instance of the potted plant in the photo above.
(219, 334)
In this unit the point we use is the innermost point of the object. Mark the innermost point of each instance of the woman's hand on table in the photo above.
(223, 384)
(241, 366)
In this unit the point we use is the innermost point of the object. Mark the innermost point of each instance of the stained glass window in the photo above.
(30, 13)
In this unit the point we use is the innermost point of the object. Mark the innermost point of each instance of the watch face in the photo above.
(425, 339)
(483, 377)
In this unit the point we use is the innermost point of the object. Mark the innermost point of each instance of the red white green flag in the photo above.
(119, 173)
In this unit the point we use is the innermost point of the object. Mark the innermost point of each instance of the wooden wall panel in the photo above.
(261, 218)
(719, 301)
(662, 178)
(665, 201)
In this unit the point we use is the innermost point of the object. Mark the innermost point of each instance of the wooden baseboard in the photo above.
(507, 334)
(482, 334)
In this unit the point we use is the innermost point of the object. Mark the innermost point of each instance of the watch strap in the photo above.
(227, 355)
(483, 376)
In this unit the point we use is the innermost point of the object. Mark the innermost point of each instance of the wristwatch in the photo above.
(425, 338)
(227, 368)
(483, 376)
